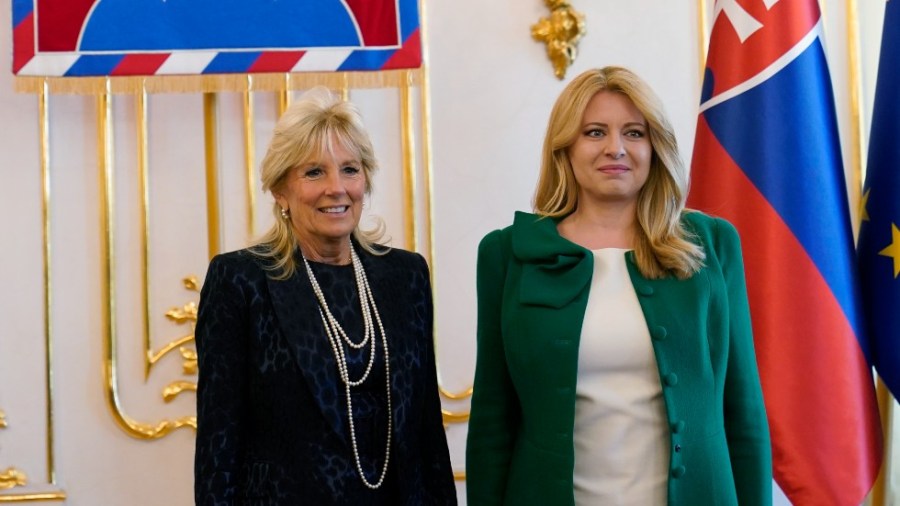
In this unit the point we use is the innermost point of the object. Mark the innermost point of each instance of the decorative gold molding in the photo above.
(176, 387)
(187, 314)
(345, 87)
(283, 95)
(12, 478)
(108, 282)
(561, 32)
(35, 497)
(143, 161)
(44, 142)
(250, 158)
(408, 146)
(211, 151)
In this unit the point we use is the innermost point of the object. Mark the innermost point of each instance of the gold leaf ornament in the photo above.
(561, 32)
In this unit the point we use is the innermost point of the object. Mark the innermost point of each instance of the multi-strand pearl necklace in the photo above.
(336, 335)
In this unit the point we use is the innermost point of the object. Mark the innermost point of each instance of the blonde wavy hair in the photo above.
(303, 133)
(663, 246)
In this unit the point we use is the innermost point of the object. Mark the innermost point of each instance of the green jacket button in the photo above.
(660, 332)
(671, 379)
(678, 472)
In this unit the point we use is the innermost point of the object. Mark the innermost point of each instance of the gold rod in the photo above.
(702, 33)
(46, 496)
(284, 95)
(144, 189)
(44, 126)
(427, 160)
(249, 159)
(879, 495)
(210, 124)
(345, 86)
(407, 141)
(854, 77)
(104, 162)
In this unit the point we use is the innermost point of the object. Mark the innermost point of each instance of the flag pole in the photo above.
(879, 496)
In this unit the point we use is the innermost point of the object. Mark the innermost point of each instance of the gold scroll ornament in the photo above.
(11, 477)
(561, 33)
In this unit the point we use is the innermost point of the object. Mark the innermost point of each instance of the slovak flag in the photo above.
(767, 158)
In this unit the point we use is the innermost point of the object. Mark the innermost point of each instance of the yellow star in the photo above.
(863, 201)
(893, 250)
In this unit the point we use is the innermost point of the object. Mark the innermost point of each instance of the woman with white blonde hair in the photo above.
(615, 361)
(317, 376)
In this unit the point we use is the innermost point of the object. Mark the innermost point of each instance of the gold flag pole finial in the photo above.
(561, 32)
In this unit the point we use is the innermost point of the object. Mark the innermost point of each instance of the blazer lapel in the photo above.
(298, 317)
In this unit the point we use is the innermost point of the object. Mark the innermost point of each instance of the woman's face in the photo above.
(611, 155)
(325, 196)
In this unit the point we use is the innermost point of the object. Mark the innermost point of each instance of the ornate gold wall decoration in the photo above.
(561, 32)
(187, 314)
(12, 477)
(105, 157)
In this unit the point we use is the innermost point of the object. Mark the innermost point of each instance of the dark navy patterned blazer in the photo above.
(271, 413)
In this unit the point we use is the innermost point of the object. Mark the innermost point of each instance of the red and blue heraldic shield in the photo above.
(160, 37)
(767, 158)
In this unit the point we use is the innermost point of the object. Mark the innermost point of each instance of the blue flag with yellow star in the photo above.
(879, 235)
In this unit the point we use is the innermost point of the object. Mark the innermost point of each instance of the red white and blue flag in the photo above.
(879, 235)
(160, 37)
(767, 158)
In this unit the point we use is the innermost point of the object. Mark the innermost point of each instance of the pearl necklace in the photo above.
(336, 335)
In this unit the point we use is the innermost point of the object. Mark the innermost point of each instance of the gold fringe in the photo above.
(215, 83)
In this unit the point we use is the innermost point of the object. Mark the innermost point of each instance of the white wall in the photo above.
(491, 88)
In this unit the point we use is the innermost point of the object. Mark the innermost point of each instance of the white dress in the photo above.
(621, 434)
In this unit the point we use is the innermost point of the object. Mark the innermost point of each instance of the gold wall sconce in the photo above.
(561, 32)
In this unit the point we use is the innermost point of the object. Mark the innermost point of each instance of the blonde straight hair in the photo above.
(303, 133)
(663, 246)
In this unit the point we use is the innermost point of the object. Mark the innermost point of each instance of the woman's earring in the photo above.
(285, 214)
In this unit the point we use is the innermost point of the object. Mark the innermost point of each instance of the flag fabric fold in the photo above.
(879, 235)
(767, 158)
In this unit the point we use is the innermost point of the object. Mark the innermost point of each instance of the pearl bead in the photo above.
(337, 336)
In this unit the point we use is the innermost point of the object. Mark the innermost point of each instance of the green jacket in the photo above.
(532, 292)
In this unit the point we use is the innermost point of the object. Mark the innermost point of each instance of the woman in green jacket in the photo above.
(615, 353)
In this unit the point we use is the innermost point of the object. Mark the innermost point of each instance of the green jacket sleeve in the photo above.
(746, 427)
(495, 410)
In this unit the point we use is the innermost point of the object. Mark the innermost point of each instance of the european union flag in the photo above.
(879, 235)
